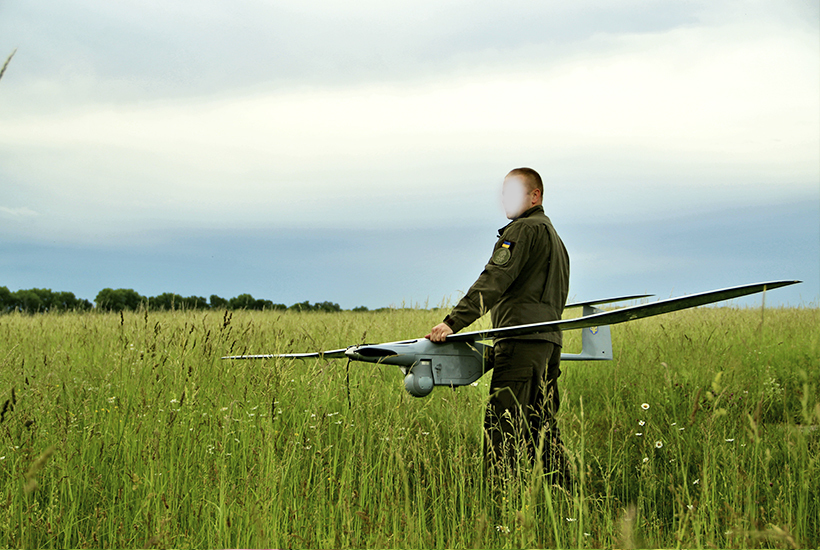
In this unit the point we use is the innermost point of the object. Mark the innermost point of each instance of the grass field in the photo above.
(129, 431)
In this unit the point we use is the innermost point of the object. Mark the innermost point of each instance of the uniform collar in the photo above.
(531, 211)
(525, 214)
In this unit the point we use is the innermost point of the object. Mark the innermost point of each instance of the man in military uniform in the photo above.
(525, 281)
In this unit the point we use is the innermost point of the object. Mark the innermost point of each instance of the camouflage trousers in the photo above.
(523, 403)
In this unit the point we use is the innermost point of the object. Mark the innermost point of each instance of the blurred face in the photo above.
(516, 196)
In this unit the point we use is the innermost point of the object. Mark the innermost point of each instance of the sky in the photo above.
(353, 152)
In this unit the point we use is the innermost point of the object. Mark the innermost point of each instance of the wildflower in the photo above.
(690, 507)
(645, 406)
(333, 414)
(730, 440)
(641, 423)
(696, 481)
(502, 529)
(425, 433)
(572, 519)
(111, 400)
(638, 433)
(658, 444)
(646, 459)
(175, 400)
(587, 534)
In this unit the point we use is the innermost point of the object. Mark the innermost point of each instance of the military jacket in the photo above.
(525, 281)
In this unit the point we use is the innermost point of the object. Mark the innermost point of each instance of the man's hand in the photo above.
(439, 332)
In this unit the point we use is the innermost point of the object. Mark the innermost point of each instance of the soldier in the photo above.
(525, 281)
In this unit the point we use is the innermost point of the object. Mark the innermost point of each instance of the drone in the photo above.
(460, 359)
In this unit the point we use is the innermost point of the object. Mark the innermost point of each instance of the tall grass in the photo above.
(128, 430)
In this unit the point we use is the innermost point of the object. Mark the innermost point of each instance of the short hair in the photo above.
(531, 177)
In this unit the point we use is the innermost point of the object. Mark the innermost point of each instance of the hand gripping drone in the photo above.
(460, 360)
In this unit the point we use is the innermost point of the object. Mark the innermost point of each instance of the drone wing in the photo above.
(608, 301)
(622, 315)
(332, 354)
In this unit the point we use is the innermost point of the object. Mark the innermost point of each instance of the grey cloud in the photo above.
(149, 50)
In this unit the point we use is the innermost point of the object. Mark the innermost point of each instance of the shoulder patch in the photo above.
(502, 256)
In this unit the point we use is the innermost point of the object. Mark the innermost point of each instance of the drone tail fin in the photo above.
(596, 342)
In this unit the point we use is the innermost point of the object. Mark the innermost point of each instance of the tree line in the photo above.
(40, 300)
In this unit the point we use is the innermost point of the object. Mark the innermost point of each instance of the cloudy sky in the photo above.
(353, 151)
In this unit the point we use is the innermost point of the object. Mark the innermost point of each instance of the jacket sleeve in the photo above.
(498, 275)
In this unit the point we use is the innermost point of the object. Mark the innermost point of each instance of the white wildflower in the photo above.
(658, 444)
(645, 406)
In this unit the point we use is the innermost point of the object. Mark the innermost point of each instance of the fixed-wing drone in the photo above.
(459, 360)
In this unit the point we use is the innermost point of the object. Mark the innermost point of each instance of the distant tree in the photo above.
(165, 301)
(195, 302)
(279, 307)
(33, 300)
(120, 299)
(261, 305)
(6, 302)
(327, 307)
(301, 306)
(217, 302)
(360, 308)
(243, 301)
(318, 306)
(66, 301)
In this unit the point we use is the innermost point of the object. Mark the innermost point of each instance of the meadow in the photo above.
(128, 430)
